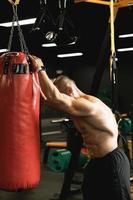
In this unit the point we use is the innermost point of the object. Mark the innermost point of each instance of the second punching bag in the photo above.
(19, 123)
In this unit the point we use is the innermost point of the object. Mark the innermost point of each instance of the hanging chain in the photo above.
(21, 36)
(11, 34)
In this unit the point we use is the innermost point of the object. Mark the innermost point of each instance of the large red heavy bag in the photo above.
(19, 123)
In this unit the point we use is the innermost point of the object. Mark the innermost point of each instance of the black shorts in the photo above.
(107, 178)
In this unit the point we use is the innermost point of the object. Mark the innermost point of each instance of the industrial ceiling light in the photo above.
(49, 45)
(3, 50)
(125, 49)
(21, 22)
(126, 35)
(69, 55)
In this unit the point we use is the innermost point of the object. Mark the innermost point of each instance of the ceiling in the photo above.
(90, 22)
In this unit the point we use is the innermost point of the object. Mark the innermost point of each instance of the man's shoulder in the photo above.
(88, 97)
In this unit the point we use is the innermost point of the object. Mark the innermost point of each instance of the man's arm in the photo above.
(54, 97)
(57, 99)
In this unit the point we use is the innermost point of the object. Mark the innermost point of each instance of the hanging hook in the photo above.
(14, 2)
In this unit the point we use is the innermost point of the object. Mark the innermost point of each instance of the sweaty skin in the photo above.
(92, 118)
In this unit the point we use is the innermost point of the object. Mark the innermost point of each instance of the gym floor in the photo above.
(50, 182)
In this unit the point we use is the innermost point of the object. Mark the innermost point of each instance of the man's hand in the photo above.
(36, 62)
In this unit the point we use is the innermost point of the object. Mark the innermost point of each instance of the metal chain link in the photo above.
(21, 36)
(11, 34)
(20, 33)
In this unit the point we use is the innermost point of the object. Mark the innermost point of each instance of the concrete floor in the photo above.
(50, 184)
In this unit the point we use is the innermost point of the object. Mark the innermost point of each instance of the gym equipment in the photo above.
(59, 159)
(19, 118)
(125, 125)
(60, 29)
(53, 144)
(19, 123)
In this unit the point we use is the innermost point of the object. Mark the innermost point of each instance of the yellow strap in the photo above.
(119, 3)
(114, 7)
(93, 1)
(14, 2)
(113, 12)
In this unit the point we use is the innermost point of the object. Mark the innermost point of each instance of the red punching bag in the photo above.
(19, 123)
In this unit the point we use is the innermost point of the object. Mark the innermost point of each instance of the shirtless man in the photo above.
(107, 175)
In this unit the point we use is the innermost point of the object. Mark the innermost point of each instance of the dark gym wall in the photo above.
(82, 73)
(76, 68)
(125, 80)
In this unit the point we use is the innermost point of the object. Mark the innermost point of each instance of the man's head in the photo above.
(65, 85)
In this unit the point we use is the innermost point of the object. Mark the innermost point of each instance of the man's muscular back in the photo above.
(98, 128)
